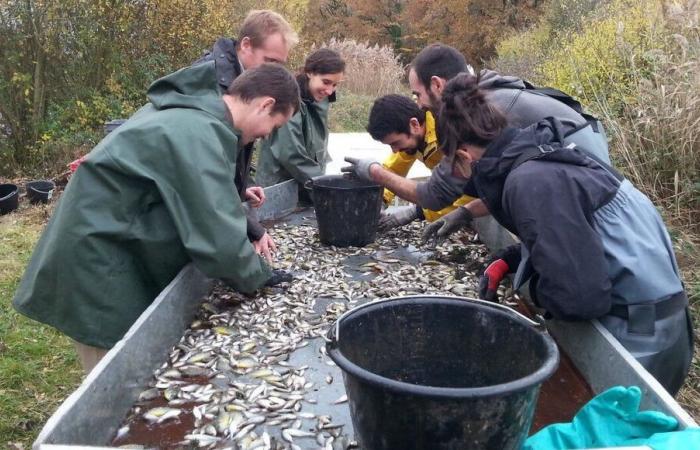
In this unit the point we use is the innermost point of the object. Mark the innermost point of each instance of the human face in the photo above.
(323, 85)
(403, 142)
(274, 49)
(260, 121)
(419, 90)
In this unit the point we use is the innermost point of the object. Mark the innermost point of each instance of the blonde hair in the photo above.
(262, 23)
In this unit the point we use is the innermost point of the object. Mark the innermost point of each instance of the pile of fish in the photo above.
(233, 375)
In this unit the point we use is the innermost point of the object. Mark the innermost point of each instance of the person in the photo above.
(299, 150)
(592, 245)
(264, 37)
(397, 121)
(155, 194)
(428, 74)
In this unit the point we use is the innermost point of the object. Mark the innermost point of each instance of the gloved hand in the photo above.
(279, 276)
(360, 167)
(611, 419)
(397, 217)
(504, 261)
(439, 230)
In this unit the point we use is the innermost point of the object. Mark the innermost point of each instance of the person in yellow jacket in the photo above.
(397, 121)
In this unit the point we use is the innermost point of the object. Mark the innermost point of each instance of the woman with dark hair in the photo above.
(299, 149)
(592, 245)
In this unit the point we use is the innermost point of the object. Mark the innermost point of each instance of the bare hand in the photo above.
(255, 195)
(266, 247)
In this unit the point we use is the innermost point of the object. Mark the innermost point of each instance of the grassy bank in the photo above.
(38, 367)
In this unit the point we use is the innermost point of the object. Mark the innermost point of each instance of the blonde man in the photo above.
(264, 37)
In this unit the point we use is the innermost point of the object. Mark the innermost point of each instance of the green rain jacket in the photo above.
(298, 149)
(155, 194)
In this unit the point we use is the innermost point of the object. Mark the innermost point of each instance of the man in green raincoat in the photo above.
(155, 194)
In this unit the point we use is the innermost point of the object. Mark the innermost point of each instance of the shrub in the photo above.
(522, 53)
(638, 69)
(369, 70)
(350, 113)
(657, 135)
(598, 61)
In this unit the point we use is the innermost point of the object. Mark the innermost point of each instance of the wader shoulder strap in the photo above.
(537, 152)
(556, 94)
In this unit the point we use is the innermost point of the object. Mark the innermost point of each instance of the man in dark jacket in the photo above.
(265, 37)
(155, 194)
(592, 245)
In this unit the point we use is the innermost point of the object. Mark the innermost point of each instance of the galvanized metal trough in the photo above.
(91, 415)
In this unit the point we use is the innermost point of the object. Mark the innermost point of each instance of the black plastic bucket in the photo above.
(441, 372)
(40, 191)
(9, 198)
(347, 209)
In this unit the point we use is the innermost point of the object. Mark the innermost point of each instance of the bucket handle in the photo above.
(334, 332)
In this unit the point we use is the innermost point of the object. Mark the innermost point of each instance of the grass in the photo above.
(38, 367)
(687, 246)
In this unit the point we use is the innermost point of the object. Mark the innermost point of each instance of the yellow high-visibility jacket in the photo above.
(400, 163)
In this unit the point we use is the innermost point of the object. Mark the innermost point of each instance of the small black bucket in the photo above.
(347, 209)
(113, 125)
(40, 191)
(441, 372)
(9, 198)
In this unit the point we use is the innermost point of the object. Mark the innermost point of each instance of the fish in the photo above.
(234, 362)
(161, 414)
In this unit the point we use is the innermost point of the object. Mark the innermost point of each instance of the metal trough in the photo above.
(90, 417)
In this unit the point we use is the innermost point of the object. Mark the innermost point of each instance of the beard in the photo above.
(418, 147)
(435, 103)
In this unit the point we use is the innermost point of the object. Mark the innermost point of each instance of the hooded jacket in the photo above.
(155, 194)
(228, 68)
(592, 238)
(521, 108)
(299, 149)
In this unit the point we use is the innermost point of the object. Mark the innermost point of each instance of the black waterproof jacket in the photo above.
(589, 233)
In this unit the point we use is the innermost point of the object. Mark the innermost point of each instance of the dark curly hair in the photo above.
(466, 116)
(392, 114)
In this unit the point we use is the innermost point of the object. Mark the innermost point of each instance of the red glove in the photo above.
(492, 277)
(505, 262)
(75, 164)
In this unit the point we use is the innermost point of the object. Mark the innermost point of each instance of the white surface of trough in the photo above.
(361, 145)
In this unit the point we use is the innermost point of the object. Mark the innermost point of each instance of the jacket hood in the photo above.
(488, 79)
(193, 87)
(502, 153)
(491, 171)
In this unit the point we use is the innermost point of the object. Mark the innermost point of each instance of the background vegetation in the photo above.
(68, 66)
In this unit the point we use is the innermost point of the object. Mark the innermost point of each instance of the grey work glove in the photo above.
(360, 167)
(439, 230)
(397, 217)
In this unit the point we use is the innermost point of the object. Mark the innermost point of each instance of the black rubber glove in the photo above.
(439, 230)
(504, 261)
(279, 276)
